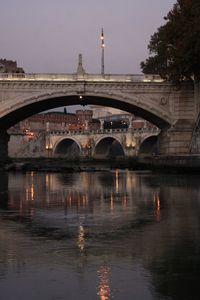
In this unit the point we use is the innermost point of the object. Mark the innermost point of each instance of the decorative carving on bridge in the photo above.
(164, 101)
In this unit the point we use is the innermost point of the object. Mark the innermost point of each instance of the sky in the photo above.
(46, 36)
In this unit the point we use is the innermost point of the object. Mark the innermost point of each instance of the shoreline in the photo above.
(63, 165)
(181, 163)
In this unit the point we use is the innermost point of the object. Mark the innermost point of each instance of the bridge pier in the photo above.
(4, 139)
(176, 140)
(130, 152)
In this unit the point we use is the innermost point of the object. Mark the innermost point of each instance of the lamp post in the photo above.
(102, 52)
(169, 46)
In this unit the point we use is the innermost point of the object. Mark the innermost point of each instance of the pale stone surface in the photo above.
(45, 144)
(148, 96)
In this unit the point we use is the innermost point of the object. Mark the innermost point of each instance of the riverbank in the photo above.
(63, 165)
(177, 163)
(186, 163)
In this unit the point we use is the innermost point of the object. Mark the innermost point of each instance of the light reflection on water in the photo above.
(103, 235)
(104, 286)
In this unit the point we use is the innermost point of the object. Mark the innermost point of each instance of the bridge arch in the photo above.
(173, 109)
(108, 147)
(149, 145)
(67, 147)
(23, 108)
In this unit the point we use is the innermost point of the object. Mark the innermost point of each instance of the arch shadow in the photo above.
(67, 148)
(20, 113)
(149, 146)
(108, 147)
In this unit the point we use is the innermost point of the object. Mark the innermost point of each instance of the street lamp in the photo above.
(102, 52)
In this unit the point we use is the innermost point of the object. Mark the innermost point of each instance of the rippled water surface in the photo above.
(99, 235)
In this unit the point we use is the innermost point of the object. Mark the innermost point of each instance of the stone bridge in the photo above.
(101, 143)
(174, 110)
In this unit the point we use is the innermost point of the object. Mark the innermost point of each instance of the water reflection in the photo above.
(106, 235)
(81, 239)
(4, 190)
(157, 206)
(104, 287)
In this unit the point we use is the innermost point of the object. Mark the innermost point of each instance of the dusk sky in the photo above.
(46, 36)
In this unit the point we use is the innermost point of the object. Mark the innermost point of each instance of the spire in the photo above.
(80, 69)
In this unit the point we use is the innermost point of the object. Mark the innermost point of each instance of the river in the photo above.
(99, 235)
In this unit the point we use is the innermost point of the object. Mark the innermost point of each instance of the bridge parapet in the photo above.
(104, 131)
(82, 77)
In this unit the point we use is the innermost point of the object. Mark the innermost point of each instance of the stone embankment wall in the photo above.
(186, 163)
(24, 146)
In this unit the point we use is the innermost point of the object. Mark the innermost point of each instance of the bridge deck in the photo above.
(80, 77)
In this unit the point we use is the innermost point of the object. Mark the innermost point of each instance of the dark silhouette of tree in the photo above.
(175, 48)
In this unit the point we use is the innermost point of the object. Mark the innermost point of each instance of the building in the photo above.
(112, 118)
(52, 121)
(9, 66)
(82, 119)
(106, 112)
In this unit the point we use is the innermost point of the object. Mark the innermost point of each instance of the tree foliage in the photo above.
(175, 48)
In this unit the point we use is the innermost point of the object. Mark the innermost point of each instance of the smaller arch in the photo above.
(67, 148)
(149, 145)
(108, 147)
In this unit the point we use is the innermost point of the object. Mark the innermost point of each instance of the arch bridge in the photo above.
(174, 110)
(102, 143)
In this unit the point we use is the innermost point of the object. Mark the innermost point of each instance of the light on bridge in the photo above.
(49, 147)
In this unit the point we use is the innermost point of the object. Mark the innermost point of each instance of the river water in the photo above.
(99, 235)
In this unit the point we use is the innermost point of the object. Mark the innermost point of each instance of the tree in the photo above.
(175, 48)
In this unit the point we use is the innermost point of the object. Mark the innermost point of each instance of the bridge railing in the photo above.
(104, 131)
(92, 131)
(78, 77)
(86, 132)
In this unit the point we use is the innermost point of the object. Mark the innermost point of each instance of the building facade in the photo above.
(9, 66)
(55, 121)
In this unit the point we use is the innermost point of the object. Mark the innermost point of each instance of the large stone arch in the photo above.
(148, 135)
(67, 147)
(149, 145)
(24, 107)
(105, 147)
(173, 110)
